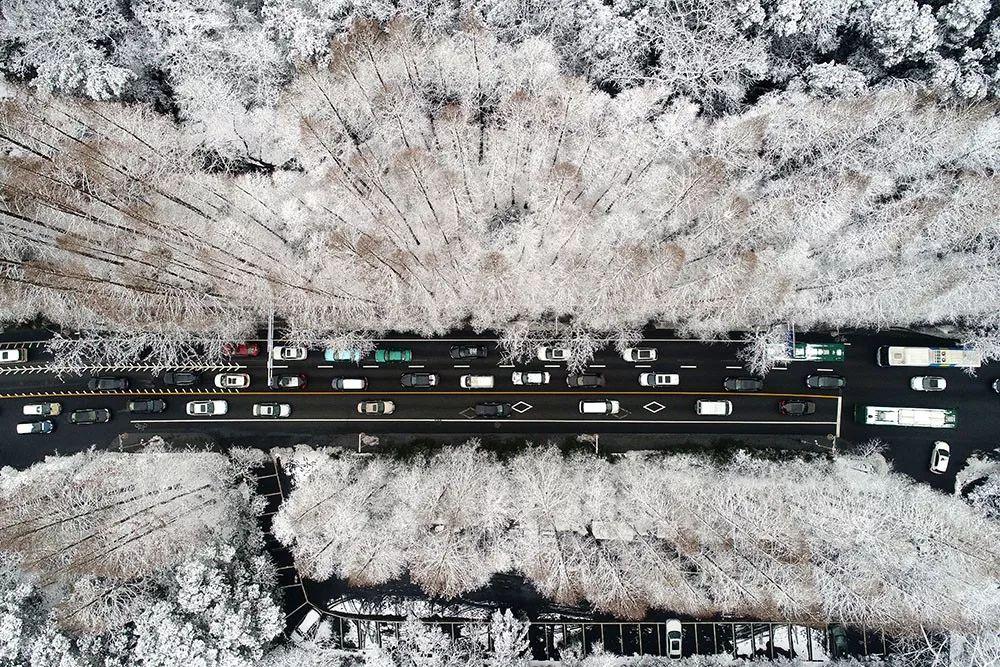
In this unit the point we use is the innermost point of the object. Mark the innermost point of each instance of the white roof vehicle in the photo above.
(42, 409)
(530, 377)
(272, 409)
(45, 426)
(207, 408)
(476, 382)
(718, 408)
(232, 380)
(289, 353)
(546, 353)
(939, 457)
(640, 354)
(13, 355)
(659, 379)
(673, 638)
(928, 383)
(605, 407)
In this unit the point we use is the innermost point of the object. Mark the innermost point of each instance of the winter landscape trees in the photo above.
(143, 559)
(845, 540)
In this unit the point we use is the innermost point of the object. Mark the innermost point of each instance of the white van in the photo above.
(605, 407)
(350, 384)
(476, 381)
(719, 408)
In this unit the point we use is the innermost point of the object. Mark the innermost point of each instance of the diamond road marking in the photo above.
(468, 413)
(654, 407)
(521, 407)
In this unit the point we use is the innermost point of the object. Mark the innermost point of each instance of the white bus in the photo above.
(892, 355)
(920, 417)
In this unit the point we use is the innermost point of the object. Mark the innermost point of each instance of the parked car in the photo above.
(996, 385)
(271, 410)
(419, 380)
(207, 408)
(393, 356)
(928, 383)
(307, 627)
(90, 416)
(241, 349)
(636, 354)
(42, 409)
(13, 355)
(585, 380)
(838, 641)
(493, 410)
(659, 379)
(151, 406)
(289, 353)
(712, 407)
(107, 384)
(350, 384)
(232, 380)
(743, 384)
(826, 382)
(297, 381)
(602, 407)
(546, 353)
(180, 378)
(940, 456)
(476, 382)
(470, 351)
(530, 377)
(44, 426)
(796, 407)
(376, 407)
(673, 628)
(335, 355)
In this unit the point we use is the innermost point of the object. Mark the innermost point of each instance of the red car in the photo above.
(241, 349)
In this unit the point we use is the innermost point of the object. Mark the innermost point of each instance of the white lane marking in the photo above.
(734, 367)
(258, 420)
(779, 368)
(689, 367)
(840, 400)
(552, 365)
(456, 366)
(372, 366)
(506, 365)
(278, 366)
(846, 343)
(598, 366)
(420, 366)
(825, 370)
(643, 366)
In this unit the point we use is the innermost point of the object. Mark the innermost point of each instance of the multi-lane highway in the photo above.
(551, 408)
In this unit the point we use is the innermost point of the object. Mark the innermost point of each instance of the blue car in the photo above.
(331, 354)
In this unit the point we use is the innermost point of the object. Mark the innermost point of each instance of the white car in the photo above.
(207, 408)
(639, 354)
(546, 353)
(717, 408)
(289, 353)
(272, 409)
(939, 457)
(476, 382)
(42, 409)
(45, 426)
(928, 383)
(605, 407)
(530, 377)
(13, 355)
(232, 380)
(659, 379)
(673, 639)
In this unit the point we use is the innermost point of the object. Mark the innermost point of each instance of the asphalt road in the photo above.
(548, 409)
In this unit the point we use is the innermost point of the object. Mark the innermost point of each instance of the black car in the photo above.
(90, 416)
(493, 409)
(180, 378)
(743, 384)
(422, 380)
(107, 384)
(585, 381)
(469, 351)
(826, 382)
(796, 407)
(153, 405)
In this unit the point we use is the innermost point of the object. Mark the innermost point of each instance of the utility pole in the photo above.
(270, 347)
